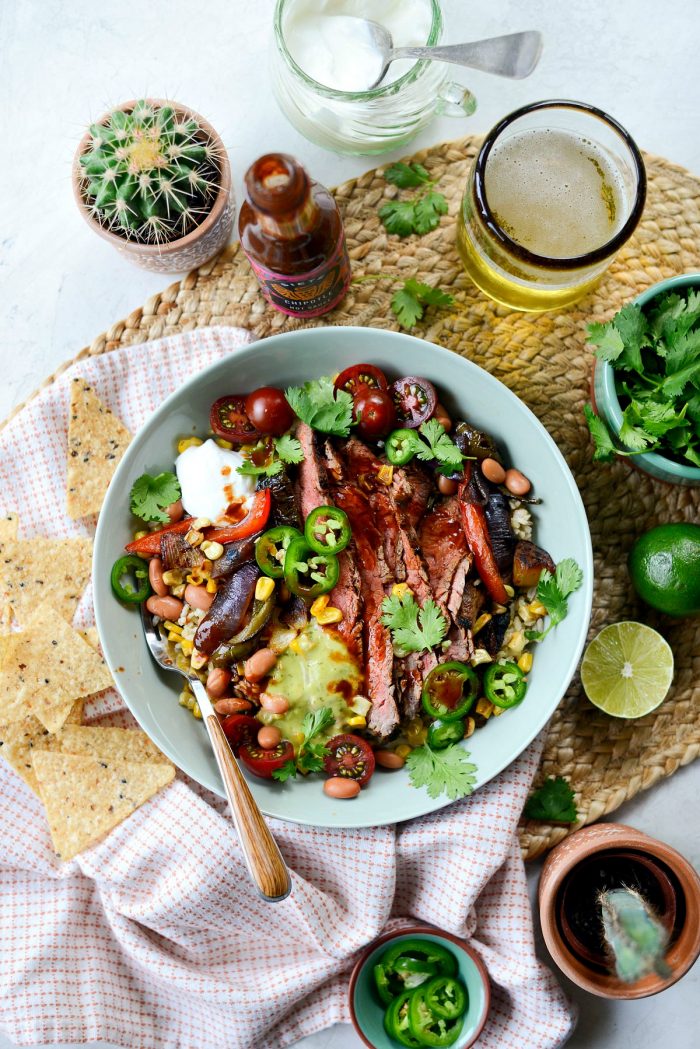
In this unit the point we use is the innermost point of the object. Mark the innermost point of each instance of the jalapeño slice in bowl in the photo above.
(424, 951)
(443, 734)
(450, 690)
(307, 573)
(130, 566)
(401, 446)
(446, 997)
(504, 684)
(271, 549)
(397, 1022)
(327, 530)
(428, 1027)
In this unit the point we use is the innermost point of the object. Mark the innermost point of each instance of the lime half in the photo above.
(627, 670)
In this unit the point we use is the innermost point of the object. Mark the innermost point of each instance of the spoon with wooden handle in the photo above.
(263, 858)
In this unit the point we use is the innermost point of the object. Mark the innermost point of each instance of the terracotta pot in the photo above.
(682, 914)
(187, 252)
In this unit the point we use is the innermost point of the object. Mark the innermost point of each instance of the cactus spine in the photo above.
(151, 174)
(634, 935)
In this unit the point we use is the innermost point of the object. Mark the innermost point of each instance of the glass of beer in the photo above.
(557, 188)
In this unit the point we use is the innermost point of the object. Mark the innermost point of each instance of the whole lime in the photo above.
(664, 565)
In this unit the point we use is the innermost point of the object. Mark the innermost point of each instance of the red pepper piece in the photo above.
(148, 545)
(477, 533)
(254, 521)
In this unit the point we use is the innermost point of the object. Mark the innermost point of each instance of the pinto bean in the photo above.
(259, 664)
(165, 607)
(493, 471)
(335, 787)
(446, 485)
(217, 682)
(269, 736)
(442, 417)
(517, 483)
(198, 597)
(175, 511)
(274, 704)
(155, 577)
(389, 759)
(232, 705)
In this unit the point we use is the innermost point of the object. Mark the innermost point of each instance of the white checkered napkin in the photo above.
(155, 938)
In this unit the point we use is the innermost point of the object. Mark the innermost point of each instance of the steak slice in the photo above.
(448, 559)
(312, 481)
(412, 487)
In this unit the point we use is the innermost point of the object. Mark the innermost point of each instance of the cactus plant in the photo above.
(149, 174)
(635, 937)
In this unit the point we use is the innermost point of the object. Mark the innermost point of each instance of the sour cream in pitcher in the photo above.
(329, 43)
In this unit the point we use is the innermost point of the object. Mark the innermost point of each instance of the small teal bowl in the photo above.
(367, 1012)
(607, 405)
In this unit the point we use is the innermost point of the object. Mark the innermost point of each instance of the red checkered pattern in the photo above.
(155, 938)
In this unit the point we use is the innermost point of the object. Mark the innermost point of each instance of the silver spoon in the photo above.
(262, 855)
(514, 55)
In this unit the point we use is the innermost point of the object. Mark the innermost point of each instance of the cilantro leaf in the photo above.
(607, 339)
(316, 721)
(427, 211)
(288, 449)
(150, 496)
(446, 771)
(413, 629)
(284, 450)
(406, 175)
(251, 469)
(428, 295)
(287, 771)
(323, 407)
(552, 802)
(398, 217)
(441, 447)
(633, 437)
(552, 592)
(604, 447)
(569, 576)
(410, 301)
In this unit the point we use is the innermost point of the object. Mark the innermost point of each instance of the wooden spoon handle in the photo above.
(264, 859)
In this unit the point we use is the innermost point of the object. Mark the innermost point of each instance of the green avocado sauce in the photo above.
(322, 673)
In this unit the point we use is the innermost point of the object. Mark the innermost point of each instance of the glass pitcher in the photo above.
(365, 122)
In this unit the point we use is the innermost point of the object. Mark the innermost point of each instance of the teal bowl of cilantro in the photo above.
(646, 382)
(419, 987)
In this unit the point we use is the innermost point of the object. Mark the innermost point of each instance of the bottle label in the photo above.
(309, 294)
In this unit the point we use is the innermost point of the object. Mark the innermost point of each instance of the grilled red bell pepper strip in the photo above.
(150, 544)
(477, 534)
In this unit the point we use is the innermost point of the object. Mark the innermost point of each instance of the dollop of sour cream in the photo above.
(209, 480)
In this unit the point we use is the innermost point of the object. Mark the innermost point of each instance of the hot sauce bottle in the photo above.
(292, 234)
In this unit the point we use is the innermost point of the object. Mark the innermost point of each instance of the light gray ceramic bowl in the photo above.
(466, 390)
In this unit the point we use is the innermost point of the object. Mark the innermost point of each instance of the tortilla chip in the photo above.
(109, 744)
(91, 637)
(8, 527)
(47, 666)
(97, 439)
(19, 741)
(40, 569)
(85, 798)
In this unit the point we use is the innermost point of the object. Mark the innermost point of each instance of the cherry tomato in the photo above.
(240, 729)
(359, 378)
(350, 758)
(263, 762)
(269, 411)
(415, 400)
(374, 411)
(228, 419)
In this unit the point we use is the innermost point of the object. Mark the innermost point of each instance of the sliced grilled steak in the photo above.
(473, 601)
(412, 488)
(447, 558)
(312, 482)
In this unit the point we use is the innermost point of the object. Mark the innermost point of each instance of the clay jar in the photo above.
(665, 877)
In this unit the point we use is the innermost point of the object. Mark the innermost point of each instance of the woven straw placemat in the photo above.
(544, 359)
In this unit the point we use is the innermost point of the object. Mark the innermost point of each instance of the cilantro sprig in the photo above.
(409, 302)
(656, 356)
(421, 213)
(553, 590)
(413, 628)
(311, 753)
(150, 496)
(446, 771)
(285, 450)
(321, 406)
(553, 802)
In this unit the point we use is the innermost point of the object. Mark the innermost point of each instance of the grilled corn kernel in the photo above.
(179, 590)
(403, 750)
(193, 537)
(537, 609)
(469, 726)
(517, 643)
(481, 622)
(184, 698)
(196, 711)
(357, 721)
(172, 636)
(201, 522)
(188, 442)
(212, 586)
(264, 588)
(525, 662)
(498, 609)
(399, 589)
(416, 732)
(484, 707)
(187, 646)
(196, 577)
(295, 646)
(360, 705)
(140, 534)
(306, 643)
(509, 589)
(385, 474)
(212, 551)
(173, 577)
(497, 711)
(480, 656)
(197, 659)
(319, 604)
(190, 702)
(329, 615)
(175, 627)
(223, 443)
(297, 737)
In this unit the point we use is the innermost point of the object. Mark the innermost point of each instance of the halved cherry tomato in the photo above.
(264, 762)
(240, 729)
(359, 377)
(228, 419)
(269, 410)
(415, 400)
(350, 758)
(254, 521)
(374, 412)
(150, 544)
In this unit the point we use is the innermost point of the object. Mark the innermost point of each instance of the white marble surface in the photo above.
(62, 64)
